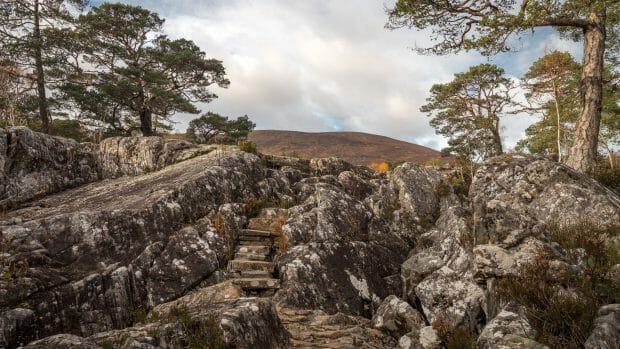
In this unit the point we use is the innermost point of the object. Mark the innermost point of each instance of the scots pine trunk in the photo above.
(38, 57)
(497, 139)
(583, 152)
(556, 96)
(146, 122)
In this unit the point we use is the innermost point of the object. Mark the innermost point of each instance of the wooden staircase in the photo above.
(252, 265)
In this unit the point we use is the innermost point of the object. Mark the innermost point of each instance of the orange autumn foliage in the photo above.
(382, 167)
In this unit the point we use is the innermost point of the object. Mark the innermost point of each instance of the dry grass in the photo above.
(562, 305)
(281, 238)
(222, 227)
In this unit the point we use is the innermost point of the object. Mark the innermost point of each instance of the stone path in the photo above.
(252, 265)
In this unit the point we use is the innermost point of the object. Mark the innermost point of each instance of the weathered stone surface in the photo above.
(16, 327)
(424, 338)
(329, 166)
(63, 341)
(191, 255)
(239, 323)
(91, 256)
(408, 201)
(508, 330)
(446, 295)
(33, 165)
(606, 332)
(514, 196)
(339, 259)
(316, 329)
(194, 301)
(121, 156)
(397, 317)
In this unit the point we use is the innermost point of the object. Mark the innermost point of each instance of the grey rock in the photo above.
(63, 341)
(80, 245)
(424, 338)
(16, 327)
(513, 196)
(606, 332)
(121, 156)
(510, 329)
(33, 165)
(397, 317)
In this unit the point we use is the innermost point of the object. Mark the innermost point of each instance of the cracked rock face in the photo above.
(85, 261)
(34, 165)
(397, 317)
(339, 259)
(508, 330)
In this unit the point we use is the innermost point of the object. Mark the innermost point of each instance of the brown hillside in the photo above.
(355, 147)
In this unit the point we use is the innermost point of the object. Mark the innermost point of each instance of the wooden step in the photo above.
(252, 274)
(251, 256)
(254, 232)
(256, 249)
(254, 238)
(257, 283)
(239, 265)
(255, 243)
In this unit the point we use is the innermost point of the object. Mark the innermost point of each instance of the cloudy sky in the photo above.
(329, 65)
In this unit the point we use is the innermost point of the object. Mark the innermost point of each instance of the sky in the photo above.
(325, 65)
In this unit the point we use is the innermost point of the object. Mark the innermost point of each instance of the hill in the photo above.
(355, 147)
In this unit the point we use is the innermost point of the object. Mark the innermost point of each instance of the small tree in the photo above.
(552, 85)
(215, 128)
(468, 110)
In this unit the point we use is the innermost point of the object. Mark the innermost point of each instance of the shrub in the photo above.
(607, 176)
(562, 306)
(442, 189)
(453, 337)
(381, 167)
(248, 147)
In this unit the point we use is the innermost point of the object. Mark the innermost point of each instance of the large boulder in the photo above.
(119, 156)
(514, 196)
(236, 323)
(33, 165)
(408, 200)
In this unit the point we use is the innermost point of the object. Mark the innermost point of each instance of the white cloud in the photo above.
(322, 65)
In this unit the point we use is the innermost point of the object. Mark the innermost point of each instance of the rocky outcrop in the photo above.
(238, 323)
(85, 260)
(340, 259)
(121, 156)
(203, 247)
(397, 317)
(33, 165)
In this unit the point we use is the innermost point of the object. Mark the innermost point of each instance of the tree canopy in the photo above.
(215, 128)
(137, 72)
(28, 41)
(467, 110)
